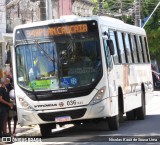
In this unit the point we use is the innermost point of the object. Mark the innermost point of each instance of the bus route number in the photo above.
(72, 102)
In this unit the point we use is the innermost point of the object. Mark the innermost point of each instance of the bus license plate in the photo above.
(63, 119)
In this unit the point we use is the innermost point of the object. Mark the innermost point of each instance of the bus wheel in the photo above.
(46, 129)
(141, 111)
(113, 122)
(131, 115)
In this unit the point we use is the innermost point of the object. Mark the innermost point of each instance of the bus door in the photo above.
(107, 55)
(110, 76)
(109, 63)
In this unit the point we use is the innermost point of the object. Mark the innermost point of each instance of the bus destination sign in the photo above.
(54, 31)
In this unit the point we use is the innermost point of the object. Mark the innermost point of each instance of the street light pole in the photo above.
(100, 7)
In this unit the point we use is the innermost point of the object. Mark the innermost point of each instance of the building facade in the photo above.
(2, 32)
(27, 11)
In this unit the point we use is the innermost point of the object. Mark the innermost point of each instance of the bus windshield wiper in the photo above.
(42, 49)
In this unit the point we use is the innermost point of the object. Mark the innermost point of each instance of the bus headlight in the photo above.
(99, 96)
(24, 104)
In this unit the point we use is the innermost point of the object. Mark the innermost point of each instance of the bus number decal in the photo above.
(72, 102)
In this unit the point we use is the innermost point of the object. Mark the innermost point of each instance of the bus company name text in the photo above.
(45, 105)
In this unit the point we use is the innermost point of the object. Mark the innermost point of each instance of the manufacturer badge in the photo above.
(61, 104)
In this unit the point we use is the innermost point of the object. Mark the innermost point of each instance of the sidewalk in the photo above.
(28, 130)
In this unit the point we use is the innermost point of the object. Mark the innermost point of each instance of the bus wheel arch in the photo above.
(113, 122)
(120, 104)
(141, 111)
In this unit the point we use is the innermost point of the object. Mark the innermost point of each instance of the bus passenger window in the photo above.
(143, 52)
(128, 48)
(121, 47)
(115, 56)
(134, 51)
(107, 54)
(139, 48)
(144, 49)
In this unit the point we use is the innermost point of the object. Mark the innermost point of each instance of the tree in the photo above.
(152, 27)
(117, 8)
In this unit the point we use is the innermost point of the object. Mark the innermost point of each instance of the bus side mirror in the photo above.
(111, 46)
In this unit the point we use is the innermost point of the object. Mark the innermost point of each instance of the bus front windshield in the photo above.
(52, 65)
(60, 64)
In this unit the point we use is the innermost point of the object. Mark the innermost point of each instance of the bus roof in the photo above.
(112, 23)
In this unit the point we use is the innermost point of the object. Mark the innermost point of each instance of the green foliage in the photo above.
(96, 9)
(152, 28)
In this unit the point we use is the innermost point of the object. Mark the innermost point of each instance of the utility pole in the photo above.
(137, 12)
(42, 10)
(121, 9)
(100, 7)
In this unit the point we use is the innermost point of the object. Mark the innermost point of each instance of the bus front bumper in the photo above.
(99, 110)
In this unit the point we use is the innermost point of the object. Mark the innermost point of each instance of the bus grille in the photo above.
(73, 114)
(44, 96)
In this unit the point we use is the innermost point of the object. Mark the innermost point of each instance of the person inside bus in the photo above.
(42, 66)
(81, 66)
(4, 106)
(36, 66)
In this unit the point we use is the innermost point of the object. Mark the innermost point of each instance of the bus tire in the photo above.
(141, 111)
(131, 115)
(46, 129)
(113, 122)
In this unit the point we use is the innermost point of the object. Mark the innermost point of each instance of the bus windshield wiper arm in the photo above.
(35, 95)
(42, 49)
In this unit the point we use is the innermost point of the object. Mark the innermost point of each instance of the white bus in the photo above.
(73, 70)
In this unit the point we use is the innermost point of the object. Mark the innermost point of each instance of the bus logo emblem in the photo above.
(61, 104)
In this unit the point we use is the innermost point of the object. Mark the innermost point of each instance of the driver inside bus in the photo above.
(81, 66)
(43, 66)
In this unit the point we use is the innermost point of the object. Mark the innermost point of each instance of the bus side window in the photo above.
(139, 49)
(144, 49)
(134, 51)
(107, 54)
(113, 38)
(127, 47)
(121, 47)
